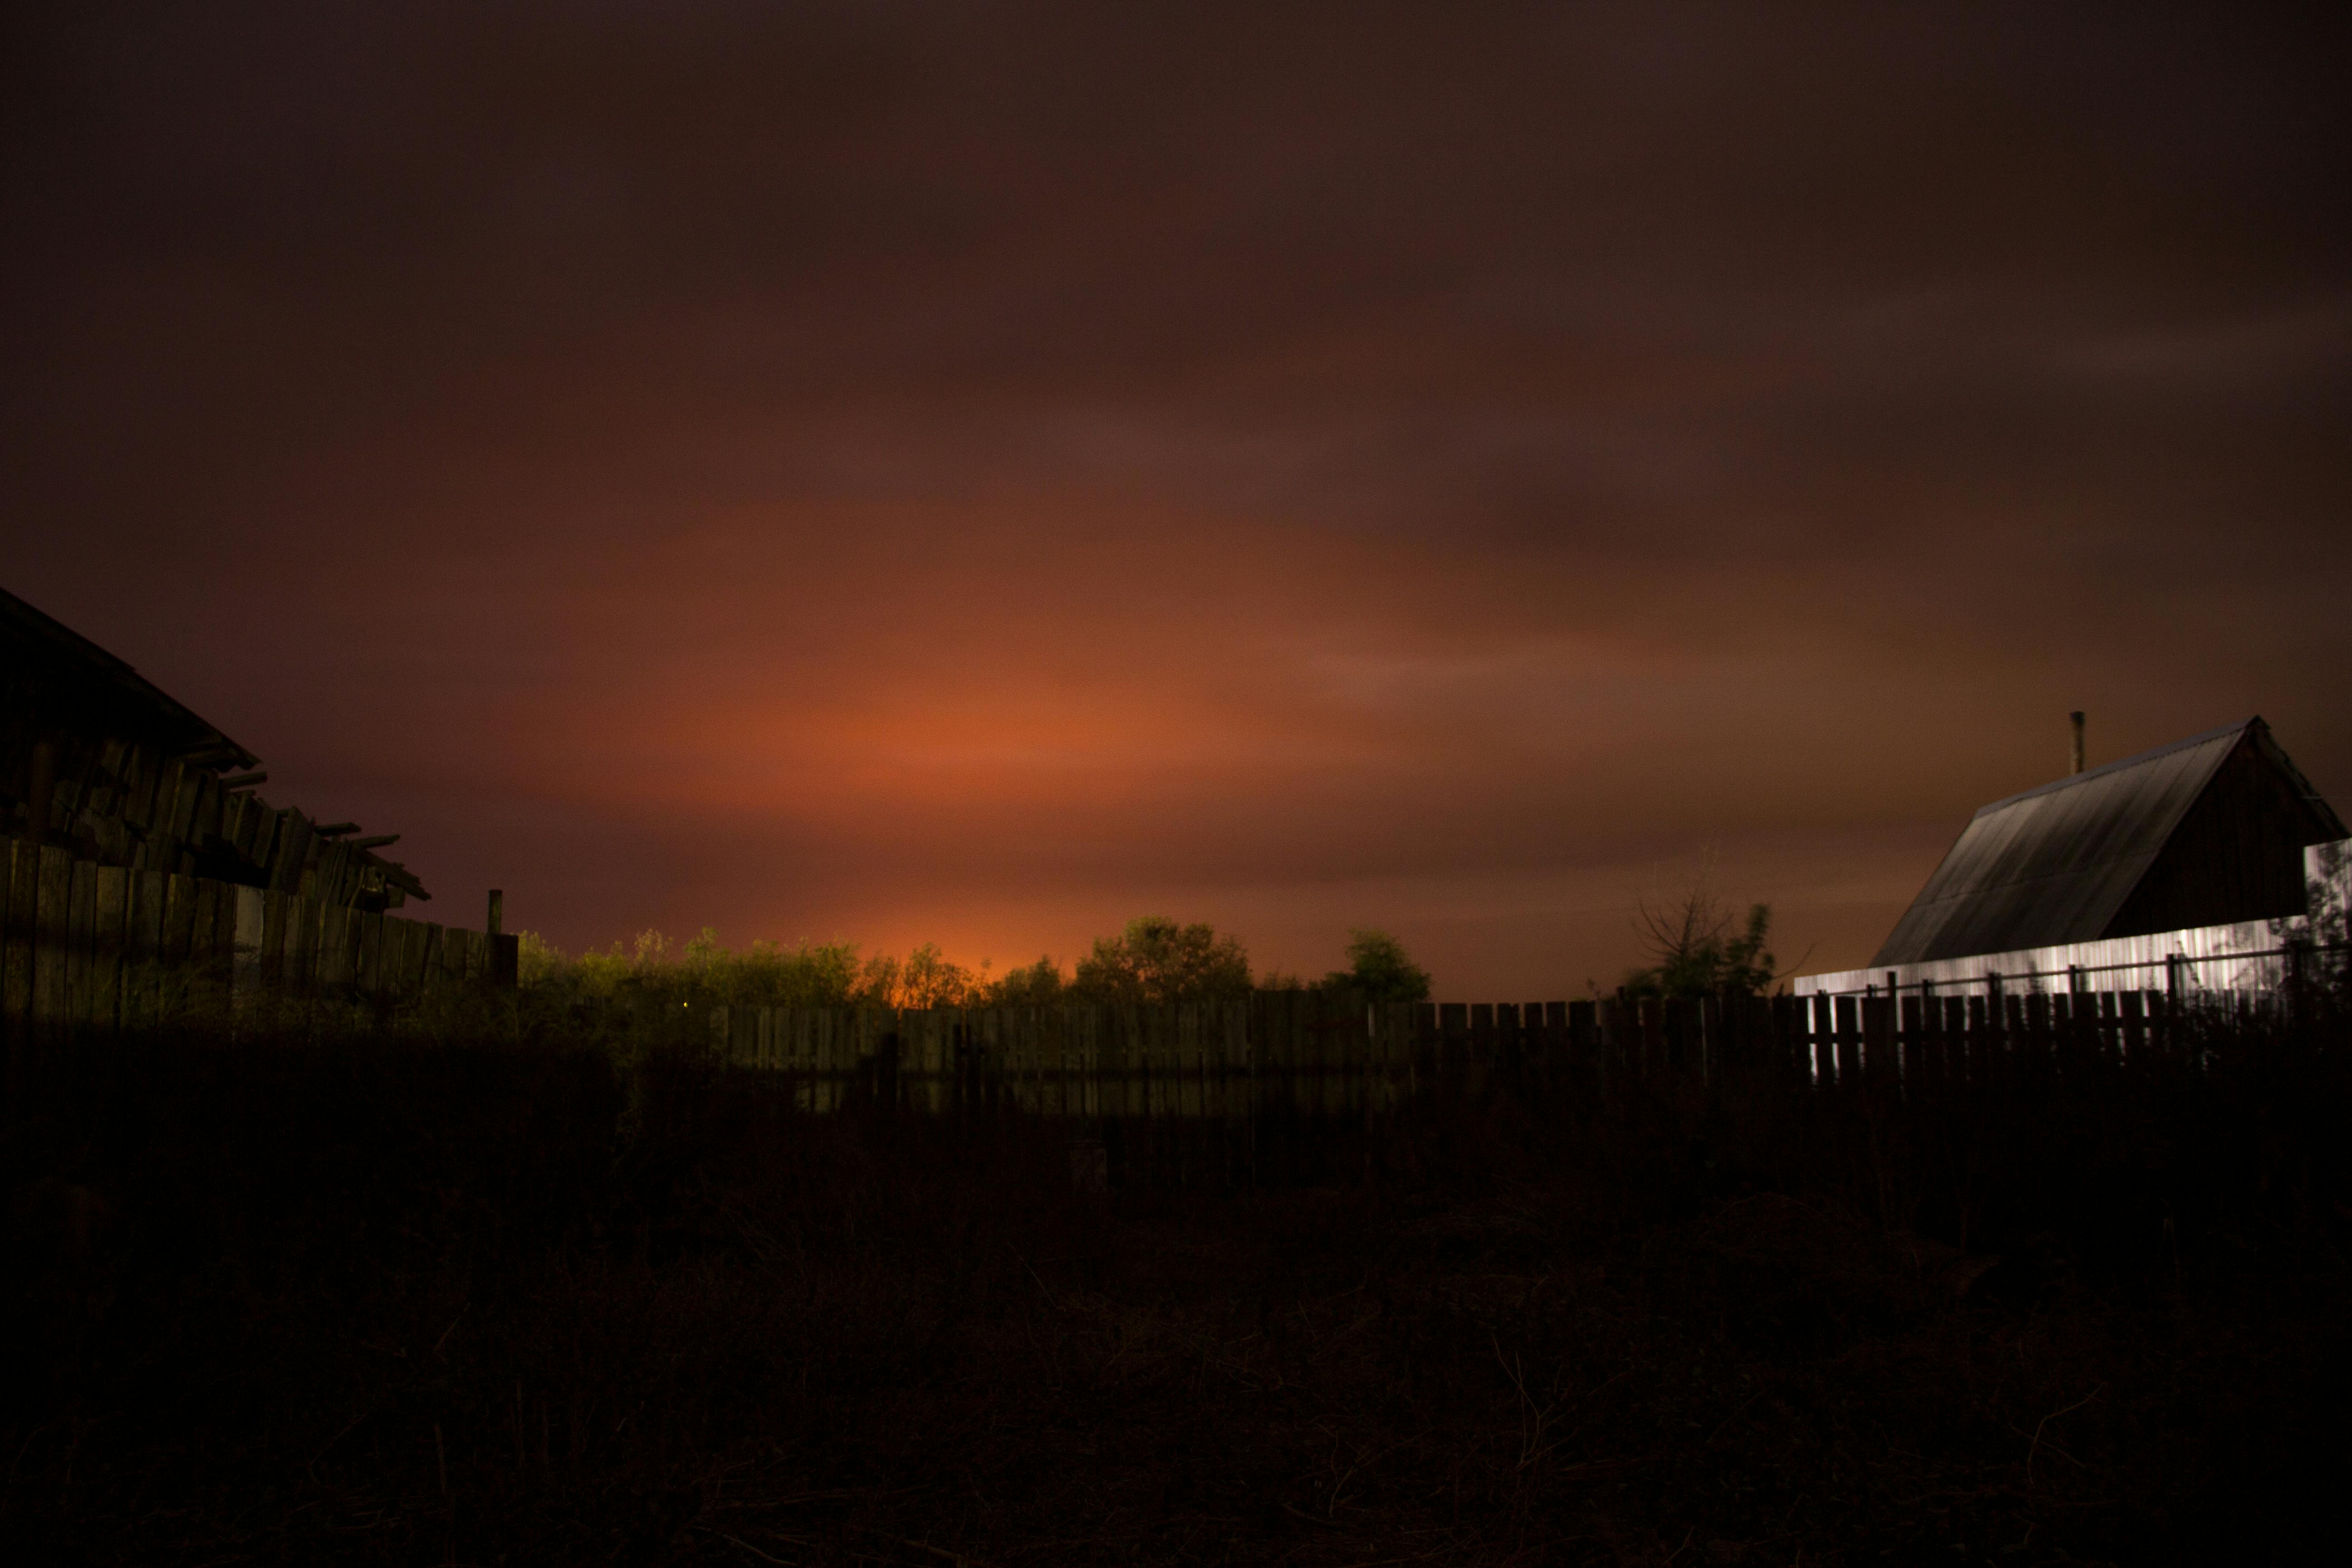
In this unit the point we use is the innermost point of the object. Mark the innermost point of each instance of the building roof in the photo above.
(2062, 863)
(72, 668)
(123, 744)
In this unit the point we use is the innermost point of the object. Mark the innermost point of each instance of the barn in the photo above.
(2200, 852)
(96, 758)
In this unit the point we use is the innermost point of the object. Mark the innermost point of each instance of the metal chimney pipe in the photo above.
(2077, 717)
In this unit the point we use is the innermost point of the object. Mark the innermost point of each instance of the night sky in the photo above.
(978, 473)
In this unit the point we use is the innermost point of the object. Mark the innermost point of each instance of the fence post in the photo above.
(1453, 1045)
(504, 946)
(81, 941)
(1852, 1018)
(2176, 980)
(886, 1071)
(1911, 1037)
(1997, 1042)
(1876, 1026)
(246, 928)
(1934, 1049)
(22, 864)
(113, 919)
(50, 927)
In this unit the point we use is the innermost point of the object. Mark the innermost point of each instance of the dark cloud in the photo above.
(892, 470)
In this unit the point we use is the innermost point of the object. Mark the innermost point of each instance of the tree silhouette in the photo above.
(1379, 967)
(1696, 950)
(1157, 961)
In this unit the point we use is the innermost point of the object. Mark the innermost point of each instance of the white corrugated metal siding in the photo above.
(2242, 957)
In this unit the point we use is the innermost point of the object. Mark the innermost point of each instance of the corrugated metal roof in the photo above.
(2055, 864)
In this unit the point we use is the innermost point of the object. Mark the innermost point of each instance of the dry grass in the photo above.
(441, 1303)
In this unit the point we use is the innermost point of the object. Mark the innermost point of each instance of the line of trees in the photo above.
(1695, 944)
(1154, 960)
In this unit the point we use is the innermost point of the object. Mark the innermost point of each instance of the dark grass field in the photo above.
(408, 1303)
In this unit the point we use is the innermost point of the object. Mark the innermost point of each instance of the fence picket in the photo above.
(18, 933)
(50, 936)
(112, 919)
(142, 948)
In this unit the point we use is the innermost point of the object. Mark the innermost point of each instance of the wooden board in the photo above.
(334, 971)
(255, 917)
(51, 915)
(17, 930)
(179, 919)
(369, 953)
(270, 970)
(305, 924)
(81, 944)
(143, 948)
(107, 949)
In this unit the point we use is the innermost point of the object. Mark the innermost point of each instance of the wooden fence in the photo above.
(1323, 1054)
(1290, 1086)
(89, 946)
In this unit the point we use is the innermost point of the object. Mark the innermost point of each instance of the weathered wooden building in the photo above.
(2206, 831)
(94, 757)
(2202, 852)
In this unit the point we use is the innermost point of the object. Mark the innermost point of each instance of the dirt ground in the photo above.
(483, 1305)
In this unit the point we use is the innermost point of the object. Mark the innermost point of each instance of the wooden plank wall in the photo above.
(143, 811)
(85, 946)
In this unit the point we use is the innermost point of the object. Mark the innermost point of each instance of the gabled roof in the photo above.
(65, 660)
(2058, 864)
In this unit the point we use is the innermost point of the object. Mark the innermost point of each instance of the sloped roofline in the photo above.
(2256, 723)
(2303, 786)
(208, 744)
(2123, 765)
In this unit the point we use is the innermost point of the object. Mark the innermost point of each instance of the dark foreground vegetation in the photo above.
(455, 1303)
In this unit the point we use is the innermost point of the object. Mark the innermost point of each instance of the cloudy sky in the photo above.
(901, 471)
